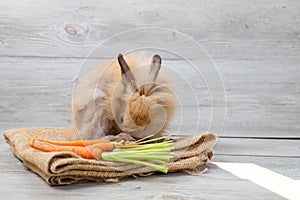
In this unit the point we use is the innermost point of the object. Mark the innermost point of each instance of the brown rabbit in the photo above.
(125, 97)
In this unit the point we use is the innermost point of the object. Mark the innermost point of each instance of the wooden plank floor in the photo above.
(16, 181)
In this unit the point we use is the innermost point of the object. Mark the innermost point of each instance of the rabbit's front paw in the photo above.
(125, 136)
(120, 137)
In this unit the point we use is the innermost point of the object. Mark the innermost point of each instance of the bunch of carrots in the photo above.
(147, 152)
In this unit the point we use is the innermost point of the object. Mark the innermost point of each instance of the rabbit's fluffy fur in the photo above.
(110, 100)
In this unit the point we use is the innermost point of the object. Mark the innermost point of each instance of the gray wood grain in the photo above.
(232, 29)
(258, 147)
(157, 187)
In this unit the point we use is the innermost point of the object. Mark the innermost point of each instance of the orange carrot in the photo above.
(46, 148)
(88, 152)
(105, 147)
(81, 143)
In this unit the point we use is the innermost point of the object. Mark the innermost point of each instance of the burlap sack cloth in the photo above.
(62, 168)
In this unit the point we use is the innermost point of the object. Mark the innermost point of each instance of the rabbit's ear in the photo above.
(155, 67)
(127, 76)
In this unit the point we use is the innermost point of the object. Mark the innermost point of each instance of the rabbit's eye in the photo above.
(122, 119)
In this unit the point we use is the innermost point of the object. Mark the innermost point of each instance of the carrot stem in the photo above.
(107, 157)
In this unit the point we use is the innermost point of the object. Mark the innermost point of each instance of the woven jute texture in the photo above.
(62, 168)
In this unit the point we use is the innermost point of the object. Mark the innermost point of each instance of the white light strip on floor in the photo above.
(277, 183)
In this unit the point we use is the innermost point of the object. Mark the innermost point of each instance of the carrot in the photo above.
(142, 152)
(81, 143)
(105, 147)
(46, 148)
(88, 152)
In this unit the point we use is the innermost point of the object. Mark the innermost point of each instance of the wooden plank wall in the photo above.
(232, 29)
(255, 46)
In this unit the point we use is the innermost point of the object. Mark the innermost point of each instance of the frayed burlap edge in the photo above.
(62, 168)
